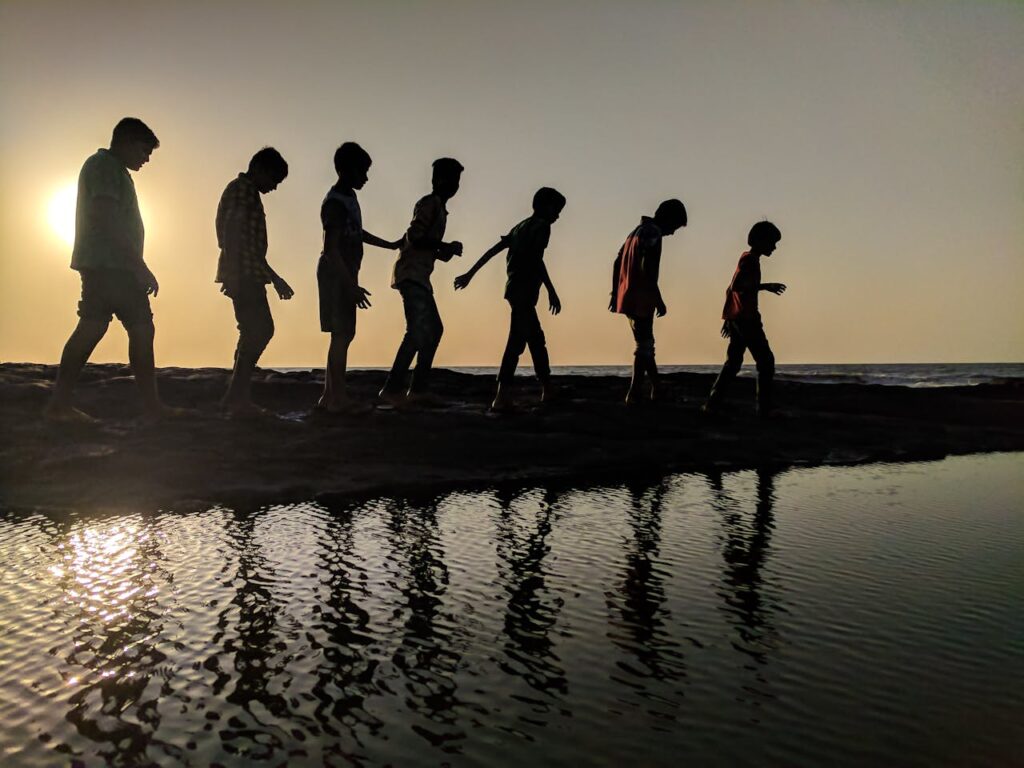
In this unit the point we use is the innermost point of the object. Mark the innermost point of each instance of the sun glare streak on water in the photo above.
(848, 616)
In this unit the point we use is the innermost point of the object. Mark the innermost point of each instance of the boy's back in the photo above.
(525, 260)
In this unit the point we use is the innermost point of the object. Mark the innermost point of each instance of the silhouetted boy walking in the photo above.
(107, 254)
(243, 271)
(526, 273)
(337, 273)
(635, 291)
(742, 320)
(422, 246)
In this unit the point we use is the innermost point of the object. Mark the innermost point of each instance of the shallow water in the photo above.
(843, 616)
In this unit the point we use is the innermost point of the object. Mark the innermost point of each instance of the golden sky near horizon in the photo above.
(885, 140)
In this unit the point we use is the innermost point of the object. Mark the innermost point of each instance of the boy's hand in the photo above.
(455, 248)
(661, 309)
(555, 304)
(463, 280)
(148, 281)
(725, 330)
(359, 296)
(284, 291)
(394, 245)
(777, 288)
(611, 303)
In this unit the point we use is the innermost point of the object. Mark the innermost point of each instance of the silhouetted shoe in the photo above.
(550, 393)
(67, 415)
(391, 397)
(503, 404)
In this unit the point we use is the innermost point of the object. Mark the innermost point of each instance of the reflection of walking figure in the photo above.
(107, 254)
(422, 246)
(243, 271)
(635, 291)
(337, 273)
(743, 325)
(526, 273)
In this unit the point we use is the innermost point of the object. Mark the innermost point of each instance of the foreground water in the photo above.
(844, 616)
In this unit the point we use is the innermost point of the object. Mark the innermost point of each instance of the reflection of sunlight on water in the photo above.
(105, 573)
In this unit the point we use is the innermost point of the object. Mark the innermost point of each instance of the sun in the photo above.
(61, 213)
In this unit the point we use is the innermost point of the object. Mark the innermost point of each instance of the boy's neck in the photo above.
(343, 185)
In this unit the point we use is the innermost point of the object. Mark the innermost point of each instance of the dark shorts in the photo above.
(337, 310)
(643, 334)
(110, 292)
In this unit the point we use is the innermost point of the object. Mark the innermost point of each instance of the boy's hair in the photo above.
(672, 211)
(546, 197)
(270, 159)
(763, 232)
(446, 167)
(132, 129)
(350, 156)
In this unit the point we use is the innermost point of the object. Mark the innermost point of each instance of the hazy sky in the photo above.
(885, 139)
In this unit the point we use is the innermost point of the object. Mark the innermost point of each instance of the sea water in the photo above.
(868, 615)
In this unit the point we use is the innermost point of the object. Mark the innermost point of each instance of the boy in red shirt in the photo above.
(635, 291)
(743, 325)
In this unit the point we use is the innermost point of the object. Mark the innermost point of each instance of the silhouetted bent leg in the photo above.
(432, 330)
(255, 330)
(537, 343)
(514, 347)
(643, 355)
(412, 340)
(733, 363)
(140, 356)
(757, 343)
(77, 350)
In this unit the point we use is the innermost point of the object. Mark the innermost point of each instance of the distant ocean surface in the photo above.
(894, 375)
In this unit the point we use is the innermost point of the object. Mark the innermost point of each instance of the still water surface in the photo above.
(842, 616)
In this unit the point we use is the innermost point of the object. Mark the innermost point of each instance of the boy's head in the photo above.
(763, 238)
(133, 141)
(446, 177)
(352, 163)
(670, 216)
(267, 169)
(548, 204)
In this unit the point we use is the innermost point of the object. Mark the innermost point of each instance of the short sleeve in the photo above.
(333, 215)
(102, 178)
(423, 217)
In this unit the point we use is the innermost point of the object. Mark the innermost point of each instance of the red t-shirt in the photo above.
(636, 278)
(741, 295)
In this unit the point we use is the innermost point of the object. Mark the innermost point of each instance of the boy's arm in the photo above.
(380, 242)
(106, 219)
(554, 302)
(777, 288)
(651, 266)
(463, 280)
(615, 280)
(423, 218)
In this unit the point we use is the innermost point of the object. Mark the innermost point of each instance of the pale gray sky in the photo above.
(885, 139)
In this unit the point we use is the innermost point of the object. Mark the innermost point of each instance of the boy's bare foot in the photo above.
(391, 398)
(549, 393)
(66, 414)
(503, 402)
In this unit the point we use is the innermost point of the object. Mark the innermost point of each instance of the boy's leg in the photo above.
(538, 351)
(79, 347)
(395, 383)
(255, 330)
(733, 363)
(94, 314)
(431, 329)
(140, 356)
(643, 355)
(514, 347)
(757, 343)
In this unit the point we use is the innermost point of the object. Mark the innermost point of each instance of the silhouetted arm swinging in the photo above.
(554, 304)
(463, 280)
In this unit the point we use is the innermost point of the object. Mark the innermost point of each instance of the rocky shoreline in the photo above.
(587, 436)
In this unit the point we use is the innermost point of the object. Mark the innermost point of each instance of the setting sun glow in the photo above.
(60, 213)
